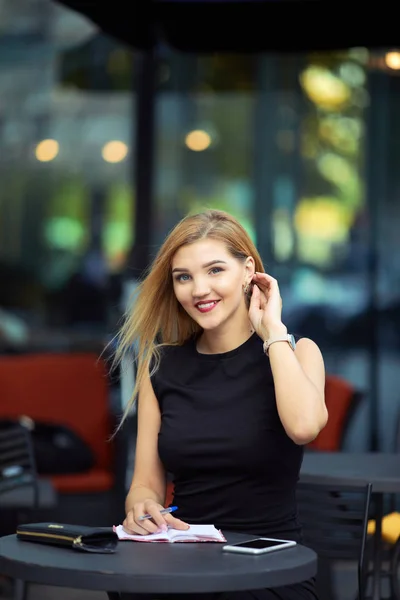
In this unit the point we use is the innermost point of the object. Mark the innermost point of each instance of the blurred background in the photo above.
(103, 148)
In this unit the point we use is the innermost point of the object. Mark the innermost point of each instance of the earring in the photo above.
(246, 288)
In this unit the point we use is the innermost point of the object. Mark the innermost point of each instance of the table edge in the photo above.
(108, 582)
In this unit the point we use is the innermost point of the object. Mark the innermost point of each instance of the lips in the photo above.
(206, 306)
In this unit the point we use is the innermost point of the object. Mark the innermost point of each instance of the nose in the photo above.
(200, 288)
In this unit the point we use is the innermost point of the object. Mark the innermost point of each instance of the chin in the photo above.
(210, 326)
(206, 324)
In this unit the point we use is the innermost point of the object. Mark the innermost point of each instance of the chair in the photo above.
(391, 529)
(73, 390)
(334, 519)
(21, 491)
(17, 464)
(341, 401)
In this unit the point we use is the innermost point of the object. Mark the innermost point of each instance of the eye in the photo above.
(182, 277)
(216, 270)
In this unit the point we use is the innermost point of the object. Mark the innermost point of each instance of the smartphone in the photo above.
(259, 546)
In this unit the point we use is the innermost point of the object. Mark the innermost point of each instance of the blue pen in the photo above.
(164, 511)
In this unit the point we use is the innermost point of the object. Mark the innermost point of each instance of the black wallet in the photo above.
(78, 537)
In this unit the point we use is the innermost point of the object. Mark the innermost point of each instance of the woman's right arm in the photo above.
(147, 491)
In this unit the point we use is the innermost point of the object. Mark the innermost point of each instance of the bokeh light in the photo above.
(198, 140)
(392, 60)
(343, 133)
(64, 233)
(47, 150)
(325, 89)
(114, 151)
(324, 218)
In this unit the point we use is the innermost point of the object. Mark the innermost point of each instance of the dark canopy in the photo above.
(205, 26)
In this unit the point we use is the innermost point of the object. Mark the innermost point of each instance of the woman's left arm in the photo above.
(299, 380)
(299, 376)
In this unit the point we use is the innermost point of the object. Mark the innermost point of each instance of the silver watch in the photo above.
(289, 338)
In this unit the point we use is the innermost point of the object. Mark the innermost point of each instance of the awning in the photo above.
(206, 26)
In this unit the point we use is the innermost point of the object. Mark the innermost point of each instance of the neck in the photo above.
(218, 342)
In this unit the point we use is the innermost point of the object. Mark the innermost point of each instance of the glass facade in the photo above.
(301, 148)
(66, 198)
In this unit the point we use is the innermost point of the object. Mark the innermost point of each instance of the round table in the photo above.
(380, 469)
(151, 568)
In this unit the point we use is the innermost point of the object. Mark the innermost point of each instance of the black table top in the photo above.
(156, 568)
(380, 469)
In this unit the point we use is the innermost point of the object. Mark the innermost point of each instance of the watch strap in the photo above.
(289, 338)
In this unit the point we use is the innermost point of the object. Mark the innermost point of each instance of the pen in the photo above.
(164, 511)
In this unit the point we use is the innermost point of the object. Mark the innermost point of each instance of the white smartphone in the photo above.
(259, 546)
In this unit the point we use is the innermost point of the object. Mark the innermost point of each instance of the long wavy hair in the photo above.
(156, 318)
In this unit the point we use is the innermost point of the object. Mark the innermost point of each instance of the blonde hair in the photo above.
(156, 317)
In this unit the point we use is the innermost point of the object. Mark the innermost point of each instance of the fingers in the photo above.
(153, 509)
(130, 525)
(255, 295)
(265, 280)
(175, 523)
(134, 524)
(255, 304)
(135, 529)
(265, 276)
(269, 285)
(258, 299)
(158, 522)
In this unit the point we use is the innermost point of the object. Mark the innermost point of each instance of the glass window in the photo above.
(66, 199)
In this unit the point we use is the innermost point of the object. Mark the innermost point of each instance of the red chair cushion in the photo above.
(96, 480)
(339, 398)
(71, 389)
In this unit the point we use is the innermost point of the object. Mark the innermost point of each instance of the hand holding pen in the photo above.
(164, 511)
(150, 517)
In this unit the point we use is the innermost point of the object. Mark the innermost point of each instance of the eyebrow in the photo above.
(209, 264)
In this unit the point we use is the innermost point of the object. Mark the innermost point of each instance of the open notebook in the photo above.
(195, 533)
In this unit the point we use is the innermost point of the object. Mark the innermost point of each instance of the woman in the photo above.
(226, 398)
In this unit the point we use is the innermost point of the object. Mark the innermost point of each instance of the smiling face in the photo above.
(208, 283)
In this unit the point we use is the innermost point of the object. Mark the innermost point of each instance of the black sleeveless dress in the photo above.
(222, 439)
